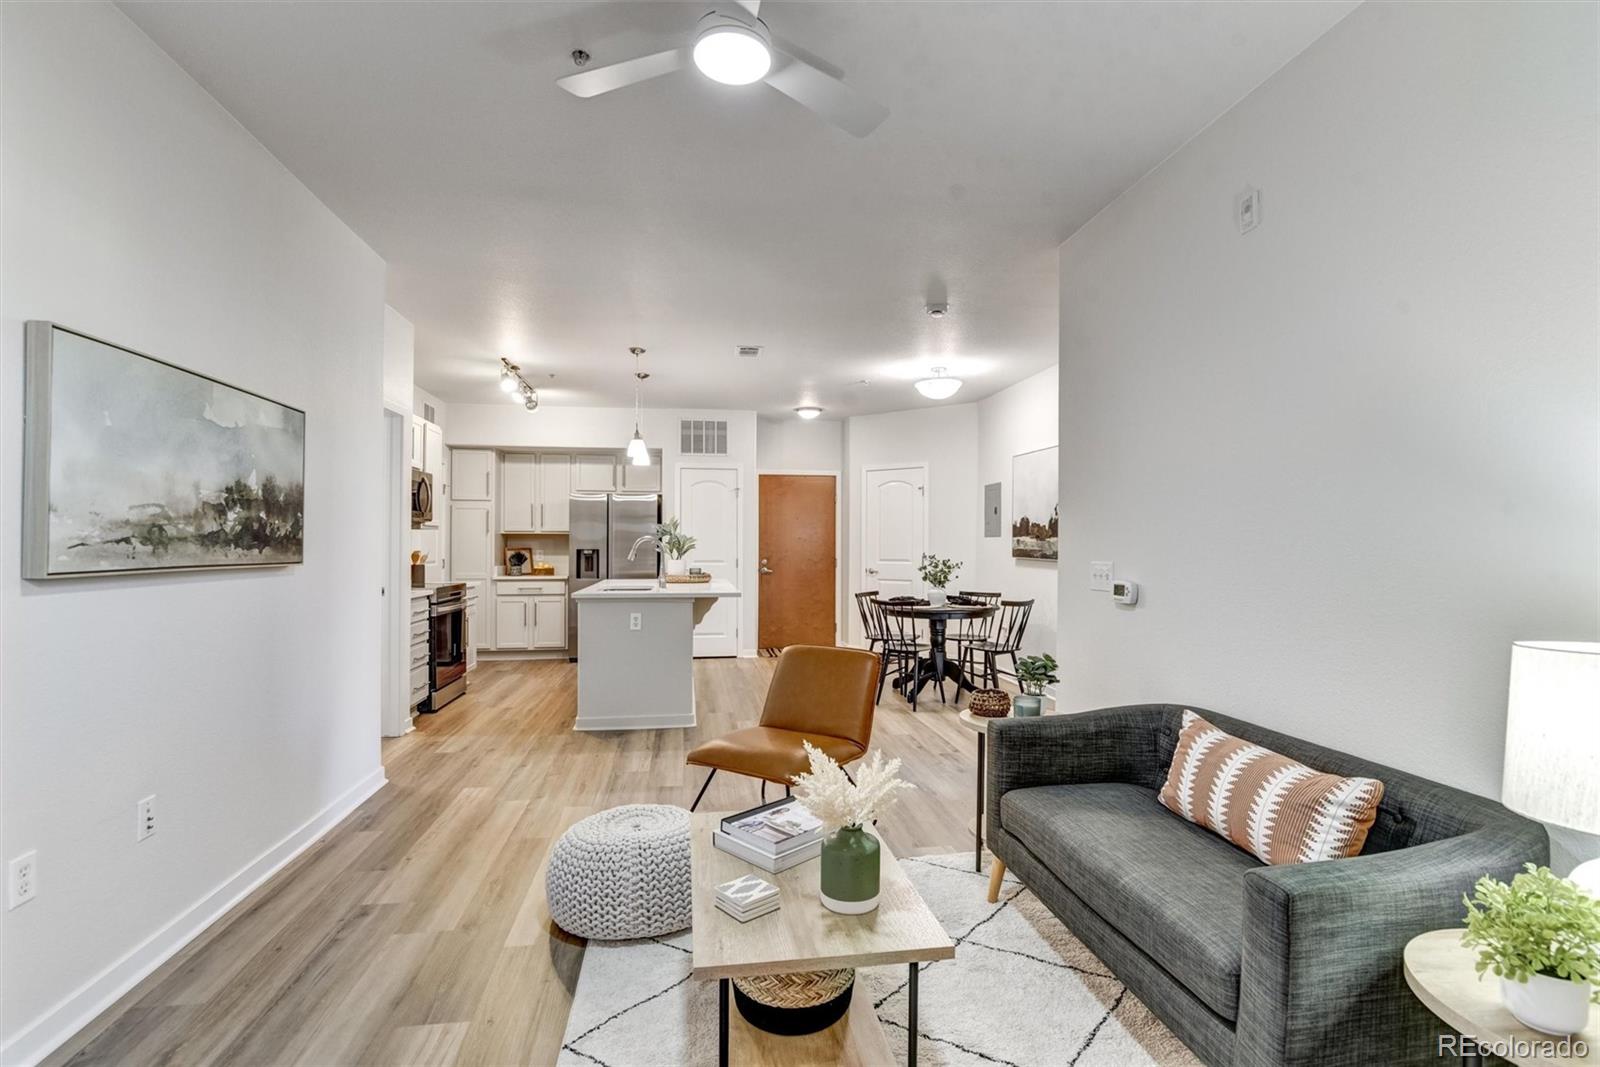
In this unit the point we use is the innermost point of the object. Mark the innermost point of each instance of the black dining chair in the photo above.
(968, 632)
(1005, 639)
(871, 623)
(900, 645)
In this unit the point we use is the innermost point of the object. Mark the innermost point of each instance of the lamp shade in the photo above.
(1552, 770)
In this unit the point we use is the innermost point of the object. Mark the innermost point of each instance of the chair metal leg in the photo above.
(703, 789)
(763, 790)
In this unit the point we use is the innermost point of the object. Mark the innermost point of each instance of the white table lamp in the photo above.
(1552, 770)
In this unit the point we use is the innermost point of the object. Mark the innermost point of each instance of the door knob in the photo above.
(872, 570)
(764, 568)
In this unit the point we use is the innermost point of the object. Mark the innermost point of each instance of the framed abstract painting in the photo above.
(1035, 508)
(133, 465)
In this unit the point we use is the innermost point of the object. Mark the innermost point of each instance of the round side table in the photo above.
(997, 871)
(1439, 970)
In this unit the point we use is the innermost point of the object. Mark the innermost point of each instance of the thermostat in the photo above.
(1124, 591)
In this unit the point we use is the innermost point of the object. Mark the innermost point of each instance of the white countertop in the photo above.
(654, 589)
(530, 577)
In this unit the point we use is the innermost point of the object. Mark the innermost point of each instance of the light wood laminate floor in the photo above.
(416, 931)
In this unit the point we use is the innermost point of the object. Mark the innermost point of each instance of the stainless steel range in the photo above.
(447, 645)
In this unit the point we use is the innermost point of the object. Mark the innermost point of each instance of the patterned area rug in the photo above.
(1021, 991)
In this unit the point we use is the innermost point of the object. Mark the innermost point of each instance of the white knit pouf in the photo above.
(622, 873)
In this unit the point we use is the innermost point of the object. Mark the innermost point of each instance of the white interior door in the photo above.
(894, 529)
(708, 508)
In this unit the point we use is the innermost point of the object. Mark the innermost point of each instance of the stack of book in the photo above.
(774, 836)
(747, 897)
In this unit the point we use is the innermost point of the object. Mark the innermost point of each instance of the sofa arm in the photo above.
(1108, 745)
(1321, 979)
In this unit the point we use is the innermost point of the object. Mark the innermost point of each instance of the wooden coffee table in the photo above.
(803, 936)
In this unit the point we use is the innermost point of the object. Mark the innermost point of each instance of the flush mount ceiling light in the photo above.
(808, 412)
(733, 52)
(638, 454)
(940, 387)
(515, 386)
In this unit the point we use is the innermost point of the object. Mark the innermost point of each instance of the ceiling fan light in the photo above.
(808, 412)
(940, 386)
(732, 55)
(638, 454)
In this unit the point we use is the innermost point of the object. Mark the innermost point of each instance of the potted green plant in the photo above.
(1541, 936)
(1033, 674)
(675, 546)
(850, 854)
(937, 571)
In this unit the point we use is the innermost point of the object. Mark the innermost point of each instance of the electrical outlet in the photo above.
(24, 880)
(147, 818)
(1100, 575)
(636, 621)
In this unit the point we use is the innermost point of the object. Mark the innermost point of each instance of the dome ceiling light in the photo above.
(939, 387)
(808, 412)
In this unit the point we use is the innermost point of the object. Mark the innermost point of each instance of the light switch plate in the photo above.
(1100, 575)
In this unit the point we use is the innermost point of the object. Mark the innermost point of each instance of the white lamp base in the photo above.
(1587, 877)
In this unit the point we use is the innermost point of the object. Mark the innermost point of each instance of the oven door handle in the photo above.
(440, 610)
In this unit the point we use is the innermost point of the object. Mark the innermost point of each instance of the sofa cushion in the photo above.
(1171, 888)
(1270, 805)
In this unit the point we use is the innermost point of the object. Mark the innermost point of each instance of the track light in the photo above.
(516, 387)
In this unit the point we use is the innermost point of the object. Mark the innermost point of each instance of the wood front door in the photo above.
(799, 589)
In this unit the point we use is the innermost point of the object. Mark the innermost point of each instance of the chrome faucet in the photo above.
(646, 539)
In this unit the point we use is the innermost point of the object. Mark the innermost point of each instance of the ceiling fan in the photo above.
(733, 46)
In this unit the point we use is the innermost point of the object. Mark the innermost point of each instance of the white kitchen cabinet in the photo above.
(478, 594)
(472, 541)
(519, 482)
(642, 479)
(430, 540)
(549, 622)
(471, 474)
(513, 621)
(427, 454)
(594, 473)
(554, 492)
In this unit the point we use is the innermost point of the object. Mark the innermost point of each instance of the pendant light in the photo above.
(638, 454)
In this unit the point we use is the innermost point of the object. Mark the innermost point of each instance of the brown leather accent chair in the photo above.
(819, 694)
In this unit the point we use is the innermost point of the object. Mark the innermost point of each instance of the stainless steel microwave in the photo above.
(421, 497)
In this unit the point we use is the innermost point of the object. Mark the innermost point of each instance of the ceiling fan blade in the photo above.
(587, 83)
(752, 6)
(827, 96)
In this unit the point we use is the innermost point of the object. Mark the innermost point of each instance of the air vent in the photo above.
(427, 413)
(750, 350)
(703, 437)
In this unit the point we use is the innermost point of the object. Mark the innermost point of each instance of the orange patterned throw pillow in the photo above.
(1267, 804)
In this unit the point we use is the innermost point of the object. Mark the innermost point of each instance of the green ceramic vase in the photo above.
(850, 871)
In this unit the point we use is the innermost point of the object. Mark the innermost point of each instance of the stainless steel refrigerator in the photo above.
(603, 528)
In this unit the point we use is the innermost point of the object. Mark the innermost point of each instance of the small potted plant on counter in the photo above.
(675, 546)
(937, 572)
(1033, 674)
(516, 559)
(1540, 935)
(850, 854)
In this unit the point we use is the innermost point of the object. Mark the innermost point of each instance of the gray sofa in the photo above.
(1247, 963)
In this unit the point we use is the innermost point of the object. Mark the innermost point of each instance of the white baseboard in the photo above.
(634, 722)
(52, 1029)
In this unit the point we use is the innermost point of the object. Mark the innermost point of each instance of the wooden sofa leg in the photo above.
(997, 871)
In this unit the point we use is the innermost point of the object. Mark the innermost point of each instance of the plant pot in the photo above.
(938, 597)
(1549, 1005)
(1027, 704)
(677, 567)
(850, 871)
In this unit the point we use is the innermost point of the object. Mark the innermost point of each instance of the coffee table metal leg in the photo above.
(722, 1022)
(911, 1020)
(977, 827)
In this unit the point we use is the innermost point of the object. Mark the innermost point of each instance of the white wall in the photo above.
(1350, 455)
(795, 444)
(510, 426)
(1018, 419)
(945, 438)
(139, 211)
(399, 360)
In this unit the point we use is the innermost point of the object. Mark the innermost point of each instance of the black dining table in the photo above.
(936, 665)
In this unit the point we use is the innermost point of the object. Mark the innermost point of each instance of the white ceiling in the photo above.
(690, 217)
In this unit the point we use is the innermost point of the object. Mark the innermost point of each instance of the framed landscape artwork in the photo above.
(1035, 507)
(132, 465)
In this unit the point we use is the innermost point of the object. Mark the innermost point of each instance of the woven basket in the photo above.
(990, 704)
(804, 989)
(687, 579)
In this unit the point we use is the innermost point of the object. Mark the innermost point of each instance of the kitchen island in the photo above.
(636, 651)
